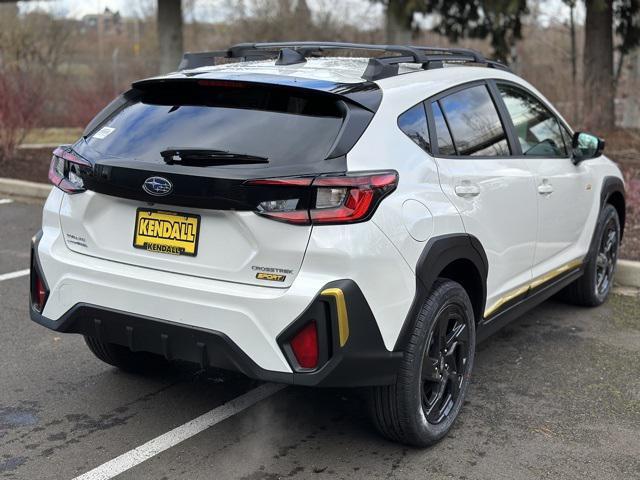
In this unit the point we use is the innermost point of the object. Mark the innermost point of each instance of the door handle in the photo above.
(467, 189)
(545, 188)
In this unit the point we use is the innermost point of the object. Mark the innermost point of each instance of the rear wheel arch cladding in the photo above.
(448, 255)
(612, 192)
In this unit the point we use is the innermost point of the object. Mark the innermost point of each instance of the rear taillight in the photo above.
(305, 346)
(66, 170)
(333, 199)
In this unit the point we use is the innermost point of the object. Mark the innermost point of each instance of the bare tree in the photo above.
(599, 114)
(169, 34)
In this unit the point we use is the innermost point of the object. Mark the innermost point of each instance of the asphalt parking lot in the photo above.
(555, 395)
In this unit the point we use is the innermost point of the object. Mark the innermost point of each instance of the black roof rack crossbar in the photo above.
(291, 53)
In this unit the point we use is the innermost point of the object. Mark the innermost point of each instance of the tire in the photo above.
(591, 289)
(407, 411)
(125, 359)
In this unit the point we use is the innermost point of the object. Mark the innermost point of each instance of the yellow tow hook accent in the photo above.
(343, 318)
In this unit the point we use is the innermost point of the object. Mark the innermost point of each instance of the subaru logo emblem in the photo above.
(157, 186)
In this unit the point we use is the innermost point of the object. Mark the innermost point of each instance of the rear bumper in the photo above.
(98, 298)
(361, 362)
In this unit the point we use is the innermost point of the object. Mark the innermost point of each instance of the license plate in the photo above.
(167, 232)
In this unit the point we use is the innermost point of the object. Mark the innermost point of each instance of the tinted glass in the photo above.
(537, 128)
(287, 126)
(445, 143)
(474, 122)
(568, 139)
(413, 123)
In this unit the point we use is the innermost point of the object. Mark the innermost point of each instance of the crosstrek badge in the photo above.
(271, 277)
(166, 232)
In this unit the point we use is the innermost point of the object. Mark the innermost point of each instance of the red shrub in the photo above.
(85, 102)
(20, 107)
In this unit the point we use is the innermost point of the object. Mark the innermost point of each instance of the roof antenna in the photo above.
(289, 56)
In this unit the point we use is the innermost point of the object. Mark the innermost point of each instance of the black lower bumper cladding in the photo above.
(362, 361)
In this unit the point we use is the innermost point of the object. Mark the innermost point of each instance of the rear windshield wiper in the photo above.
(197, 157)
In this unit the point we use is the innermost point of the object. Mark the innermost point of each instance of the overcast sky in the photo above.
(216, 10)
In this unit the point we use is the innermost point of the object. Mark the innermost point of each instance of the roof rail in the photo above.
(291, 53)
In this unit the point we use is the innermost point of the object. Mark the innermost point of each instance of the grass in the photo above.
(56, 135)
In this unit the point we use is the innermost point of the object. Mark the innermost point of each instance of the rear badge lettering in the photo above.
(76, 240)
(271, 277)
(271, 269)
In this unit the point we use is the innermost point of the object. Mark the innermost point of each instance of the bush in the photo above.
(632, 187)
(19, 109)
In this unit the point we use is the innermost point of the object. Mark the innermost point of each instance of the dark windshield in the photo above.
(284, 125)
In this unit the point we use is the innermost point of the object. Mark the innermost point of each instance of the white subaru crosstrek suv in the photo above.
(327, 221)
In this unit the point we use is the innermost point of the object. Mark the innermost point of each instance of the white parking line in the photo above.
(179, 434)
(9, 276)
(4, 201)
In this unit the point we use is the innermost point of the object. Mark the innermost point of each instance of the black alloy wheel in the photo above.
(599, 267)
(445, 363)
(606, 258)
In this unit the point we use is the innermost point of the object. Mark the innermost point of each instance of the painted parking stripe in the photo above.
(134, 457)
(9, 276)
(4, 201)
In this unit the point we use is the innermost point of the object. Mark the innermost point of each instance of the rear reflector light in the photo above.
(335, 199)
(66, 171)
(38, 291)
(305, 346)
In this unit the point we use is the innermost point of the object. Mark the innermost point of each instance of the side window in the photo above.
(537, 128)
(445, 142)
(474, 123)
(413, 123)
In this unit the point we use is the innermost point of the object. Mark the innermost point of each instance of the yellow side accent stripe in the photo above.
(535, 283)
(343, 318)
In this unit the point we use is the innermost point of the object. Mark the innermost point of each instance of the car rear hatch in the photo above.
(168, 186)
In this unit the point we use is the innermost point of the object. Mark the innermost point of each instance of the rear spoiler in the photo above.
(365, 94)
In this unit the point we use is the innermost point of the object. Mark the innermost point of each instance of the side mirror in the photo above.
(585, 146)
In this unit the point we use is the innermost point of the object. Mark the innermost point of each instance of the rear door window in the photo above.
(474, 123)
(443, 136)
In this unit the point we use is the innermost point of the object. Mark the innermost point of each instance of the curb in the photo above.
(628, 273)
(24, 189)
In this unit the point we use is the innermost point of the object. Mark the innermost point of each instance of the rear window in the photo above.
(284, 125)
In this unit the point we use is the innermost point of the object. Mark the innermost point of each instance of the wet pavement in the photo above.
(555, 395)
